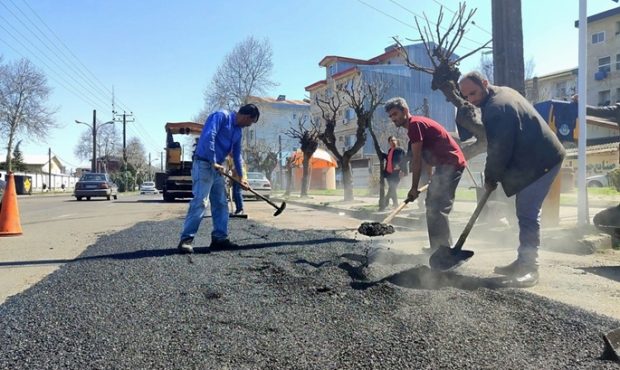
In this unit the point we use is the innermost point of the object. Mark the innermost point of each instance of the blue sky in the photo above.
(159, 55)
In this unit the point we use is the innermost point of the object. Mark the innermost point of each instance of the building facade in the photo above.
(390, 70)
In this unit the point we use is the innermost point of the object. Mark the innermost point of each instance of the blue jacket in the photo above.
(221, 136)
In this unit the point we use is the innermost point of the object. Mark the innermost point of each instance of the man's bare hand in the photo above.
(412, 195)
(218, 167)
(244, 184)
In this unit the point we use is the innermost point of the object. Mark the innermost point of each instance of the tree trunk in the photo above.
(289, 180)
(382, 199)
(347, 178)
(305, 183)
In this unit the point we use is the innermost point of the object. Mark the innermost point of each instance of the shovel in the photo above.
(279, 209)
(382, 228)
(612, 344)
(446, 258)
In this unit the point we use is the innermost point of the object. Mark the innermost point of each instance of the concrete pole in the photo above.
(582, 211)
(93, 166)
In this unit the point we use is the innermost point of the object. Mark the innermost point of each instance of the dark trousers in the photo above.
(392, 179)
(439, 202)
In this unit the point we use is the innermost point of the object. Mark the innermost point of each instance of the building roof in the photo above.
(316, 85)
(602, 15)
(258, 99)
(601, 148)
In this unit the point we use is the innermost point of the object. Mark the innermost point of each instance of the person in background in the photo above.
(431, 143)
(524, 155)
(236, 189)
(220, 136)
(2, 187)
(394, 170)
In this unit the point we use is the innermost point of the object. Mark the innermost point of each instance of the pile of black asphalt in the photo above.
(286, 299)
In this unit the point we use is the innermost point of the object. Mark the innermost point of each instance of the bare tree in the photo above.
(440, 49)
(262, 158)
(364, 98)
(23, 95)
(136, 155)
(309, 142)
(245, 71)
(107, 143)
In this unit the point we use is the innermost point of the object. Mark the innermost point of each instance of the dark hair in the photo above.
(397, 102)
(250, 110)
(394, 137)
(475, 76)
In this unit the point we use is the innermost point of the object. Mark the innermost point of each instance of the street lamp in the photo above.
(94, 128)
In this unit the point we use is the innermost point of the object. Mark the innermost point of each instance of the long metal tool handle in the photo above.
(472, 220)
(400, 208)
(251, 190)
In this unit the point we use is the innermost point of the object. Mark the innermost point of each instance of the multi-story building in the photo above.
(603, 66)
(388, 68)
(277, 116)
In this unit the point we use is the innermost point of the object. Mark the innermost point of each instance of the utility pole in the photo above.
(150, 170)
(117, 118)
(161, 161)
(280, 161)
(508, 63)
(49, 168)
(93, 166)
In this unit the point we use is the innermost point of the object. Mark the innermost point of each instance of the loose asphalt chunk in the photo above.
(286, 299)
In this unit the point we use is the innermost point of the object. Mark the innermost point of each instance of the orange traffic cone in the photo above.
(9, 214)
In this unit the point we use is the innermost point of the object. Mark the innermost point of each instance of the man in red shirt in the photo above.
(431, 143)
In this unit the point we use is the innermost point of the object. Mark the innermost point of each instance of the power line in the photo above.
(472, 22)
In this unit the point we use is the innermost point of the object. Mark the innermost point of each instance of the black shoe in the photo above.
(222, 244)
(239, 212)
(185, 245)
(516, 269)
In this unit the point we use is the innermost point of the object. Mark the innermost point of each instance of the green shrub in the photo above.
(614, 178)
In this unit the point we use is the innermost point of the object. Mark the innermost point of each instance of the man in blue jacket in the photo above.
(524, 155)
(220, 136)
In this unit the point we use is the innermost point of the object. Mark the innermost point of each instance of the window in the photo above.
(604, 64)
(332, 70)
(349, 113)
(604, 97)
(617, 62)
(617, 28)
(560, 89)
(598, 37)
(617, 94)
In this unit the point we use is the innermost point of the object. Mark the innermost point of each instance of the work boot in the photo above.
(222, 244)
(516, 268)
(185, 246)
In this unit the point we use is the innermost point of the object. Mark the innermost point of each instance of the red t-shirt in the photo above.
(438, 147)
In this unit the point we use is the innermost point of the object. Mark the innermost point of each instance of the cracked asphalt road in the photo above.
(287, 299)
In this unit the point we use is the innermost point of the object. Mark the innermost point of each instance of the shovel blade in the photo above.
(612, 344)
(446, 258)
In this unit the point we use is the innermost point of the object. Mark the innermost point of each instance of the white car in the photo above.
(598, 181)
(259, 183)
(148, 187)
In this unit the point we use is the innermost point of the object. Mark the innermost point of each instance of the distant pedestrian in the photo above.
(2, 187)
(524, 155)
(220, 136)
(431, 143)
(395, 168)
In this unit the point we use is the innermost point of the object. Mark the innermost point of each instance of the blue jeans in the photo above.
(207, 182)
(439, 201)
(528, 203)
(237, 197)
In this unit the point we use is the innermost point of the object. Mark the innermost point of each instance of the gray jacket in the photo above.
(521, 146)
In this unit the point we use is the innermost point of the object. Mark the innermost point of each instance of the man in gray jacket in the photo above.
(524, 155)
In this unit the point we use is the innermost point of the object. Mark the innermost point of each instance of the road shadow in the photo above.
(422, 277)
(609, 272)
(418, 277)
(164, 252)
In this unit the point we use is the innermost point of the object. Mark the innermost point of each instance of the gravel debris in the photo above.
(375, 229)
(285, 300)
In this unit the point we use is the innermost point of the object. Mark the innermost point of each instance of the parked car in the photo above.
(95, 185)
(259, 183)
(148, 187)
(598, 181)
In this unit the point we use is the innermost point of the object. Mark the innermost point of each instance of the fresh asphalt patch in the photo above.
(287, 299)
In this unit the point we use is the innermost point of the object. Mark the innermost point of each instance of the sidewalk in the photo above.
(588, 238)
